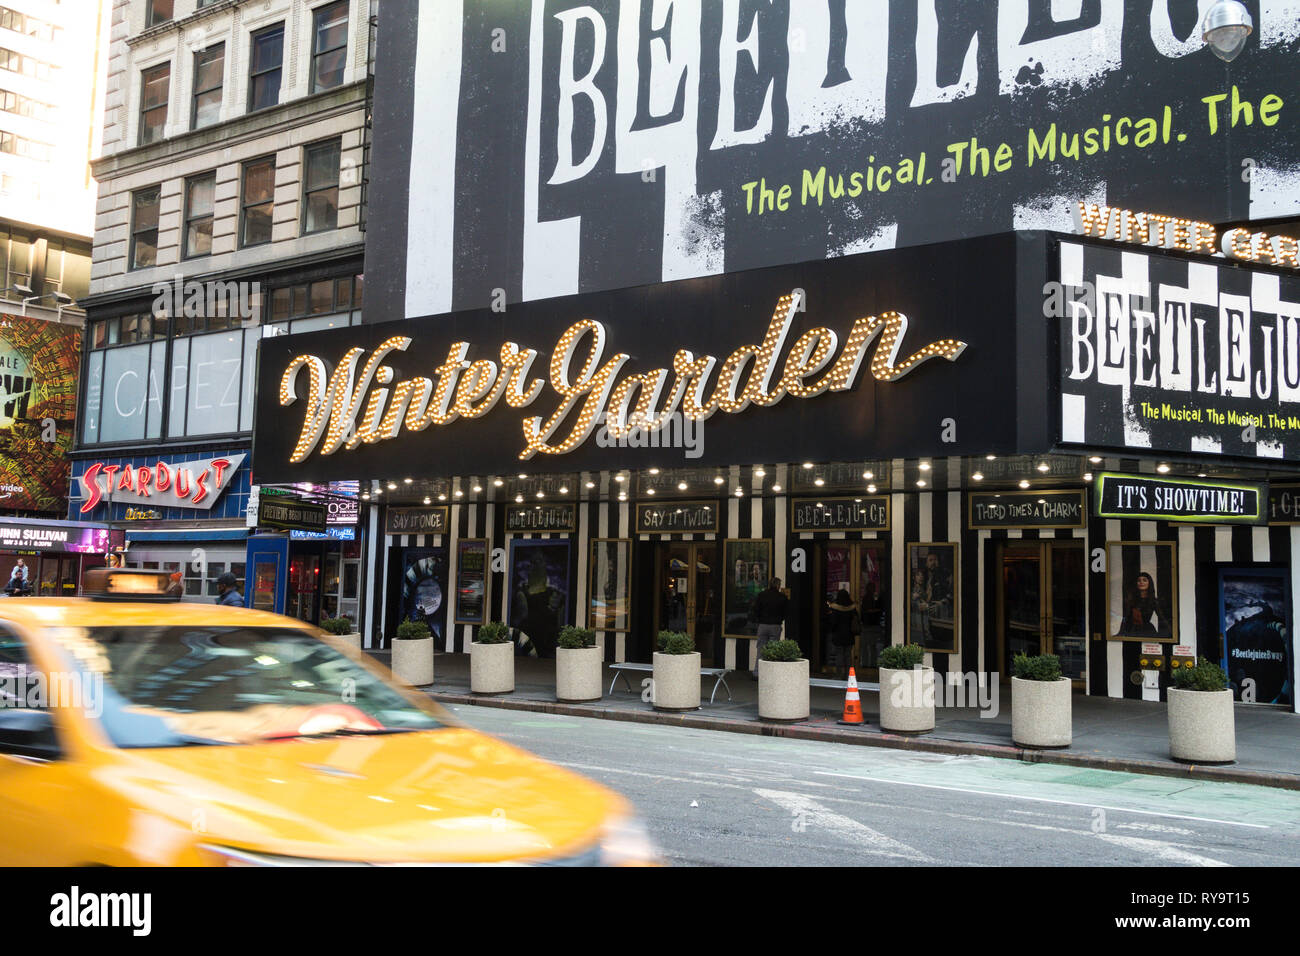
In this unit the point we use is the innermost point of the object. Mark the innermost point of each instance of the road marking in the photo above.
(1163, 851)
(1019, 796)
(862, 837)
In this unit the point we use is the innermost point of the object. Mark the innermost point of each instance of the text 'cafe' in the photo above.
(1023, 443)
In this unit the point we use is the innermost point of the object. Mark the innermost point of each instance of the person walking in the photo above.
(844, 617)
(769, 611)
(228, 591)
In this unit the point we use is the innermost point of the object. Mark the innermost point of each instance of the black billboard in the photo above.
(893, 354)
(1181, 499)
(1177, 355)
(529, 150)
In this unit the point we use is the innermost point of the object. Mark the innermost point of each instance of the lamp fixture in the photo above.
(1226, 29)
(1024, 483)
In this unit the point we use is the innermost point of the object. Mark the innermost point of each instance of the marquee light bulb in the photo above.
(871, 489)
(498, 482)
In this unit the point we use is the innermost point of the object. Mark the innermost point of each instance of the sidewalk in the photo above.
(1125, 735)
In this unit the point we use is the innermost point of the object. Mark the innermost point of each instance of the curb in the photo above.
(868, 738)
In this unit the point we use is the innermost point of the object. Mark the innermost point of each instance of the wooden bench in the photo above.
(620, 670)
(840, 684)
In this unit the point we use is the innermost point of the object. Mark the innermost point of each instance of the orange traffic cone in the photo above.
(852, 702)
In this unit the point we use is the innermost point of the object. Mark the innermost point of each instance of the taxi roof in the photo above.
(39, 612)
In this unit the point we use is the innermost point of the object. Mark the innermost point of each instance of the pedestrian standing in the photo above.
(228, 591)
(769, 612)
(844, 617)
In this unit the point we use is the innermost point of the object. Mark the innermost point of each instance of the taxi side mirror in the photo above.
(28, 733)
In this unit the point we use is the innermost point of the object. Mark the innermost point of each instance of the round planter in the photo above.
(352, 640)
(491, 668)
(1041, 712)
(783, 690)
(907, 700)
(676, 681)
(413, 661)
(1201, 726)
(577, 674)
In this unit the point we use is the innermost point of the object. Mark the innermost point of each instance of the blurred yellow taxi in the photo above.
(135, 730)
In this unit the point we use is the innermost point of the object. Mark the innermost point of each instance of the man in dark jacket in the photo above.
(228, 591)
(768, 612)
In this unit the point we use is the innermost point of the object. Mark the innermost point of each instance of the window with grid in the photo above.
(200, 192)
(265, 62)
(160, 11)
(329, 45)
(209, 66)
(155, 84)
(144, 227)
(308, 306)
(15, 261)
(320, 199)
(257, 202)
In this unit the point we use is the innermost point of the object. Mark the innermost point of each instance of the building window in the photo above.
(20, 105)
(144, 227)
(155, 84)
(321, 187)
(208, 68)
(329, 46)
(257, 202)
(160, 11)
(199, 194)
(323, 304)
(28, 65)
(265, 61)
(15, 261)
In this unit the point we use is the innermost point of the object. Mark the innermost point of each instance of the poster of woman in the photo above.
(1141, 586)
(539, 594)
(932, 618)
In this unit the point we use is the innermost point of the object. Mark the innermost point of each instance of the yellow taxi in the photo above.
(137, 730)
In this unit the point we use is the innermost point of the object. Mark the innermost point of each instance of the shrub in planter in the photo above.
(1041, 702)
(906, 690)
(342, 628)
(676, 672)
(413, 653)
(577, 665)
(492, 660)
(782, 682)
(1202, 727)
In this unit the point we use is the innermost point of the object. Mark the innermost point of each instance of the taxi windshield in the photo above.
(188, 686)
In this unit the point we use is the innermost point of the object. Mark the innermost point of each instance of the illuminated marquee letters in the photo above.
(589, 387)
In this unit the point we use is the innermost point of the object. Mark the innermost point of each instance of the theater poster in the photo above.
(39, 363)
(539, 594)
(424, 589)
(1255, 620)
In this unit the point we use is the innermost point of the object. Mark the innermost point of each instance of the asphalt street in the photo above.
(712, 798)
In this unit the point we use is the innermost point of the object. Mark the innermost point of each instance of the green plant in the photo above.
(412, 631)
(1206, 675)
(493, 632)
(902, 657)
(575, 638)
(1036, 667)
(675, 642)
(337, 625)
(785, 651)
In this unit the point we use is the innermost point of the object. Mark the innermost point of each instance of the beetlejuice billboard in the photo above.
(526, 150)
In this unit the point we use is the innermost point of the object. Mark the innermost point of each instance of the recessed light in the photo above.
(760, 473)
(1024, 483)
(590, 484)
(819, 482)
(1095, 459)
(925, 466)
(977, 476)
(871, 489)
(654, 471)
(498, 482)
(920, 482)
(1162, 468)
(776, 487)
(807, 464)
(1044, 467)
(681, 486)
(649, 491)
(868, 475)
(717, 480)
(407, 481)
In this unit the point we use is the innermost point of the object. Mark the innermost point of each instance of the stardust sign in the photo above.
(1211, 502)
(190, 484)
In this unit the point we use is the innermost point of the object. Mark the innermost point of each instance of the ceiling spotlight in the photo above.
(1044, 467)
(1095, 459)
(819, 481)
(407, 481)
(392, 486)
(519, 499)
(589, 485)
(654, 471)
(564, 489)
(924, 466)
(1162, 468)
(776, 487)
(681, 486)
(807, 464)
(717, 480)
(760, 473)
(977, 476)
(498, 482)
(1024, 483)
(649, 491)
(871, 489)
(868, 475)
(920, 482)
(1226, 28)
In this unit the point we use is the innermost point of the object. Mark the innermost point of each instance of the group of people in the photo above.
(769, 612)
(19, 583)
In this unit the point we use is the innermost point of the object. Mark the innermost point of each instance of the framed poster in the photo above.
(539, 593)
(471, 580)
(1255, 621)
(933, 597)
(609, 585)
(1141, 591)
(746, 569)
(424, 588)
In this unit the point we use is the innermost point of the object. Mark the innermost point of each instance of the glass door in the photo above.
(1041, 604)
(304, 582)
(688, 597)
(861, 568)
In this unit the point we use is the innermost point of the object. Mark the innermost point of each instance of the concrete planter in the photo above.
(907, 700)
(577, 674)
(783, 690)
(1202, 726)
(676, 681)
(491, 668)
(413, 661)
(352, 640)
(1041, 712)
